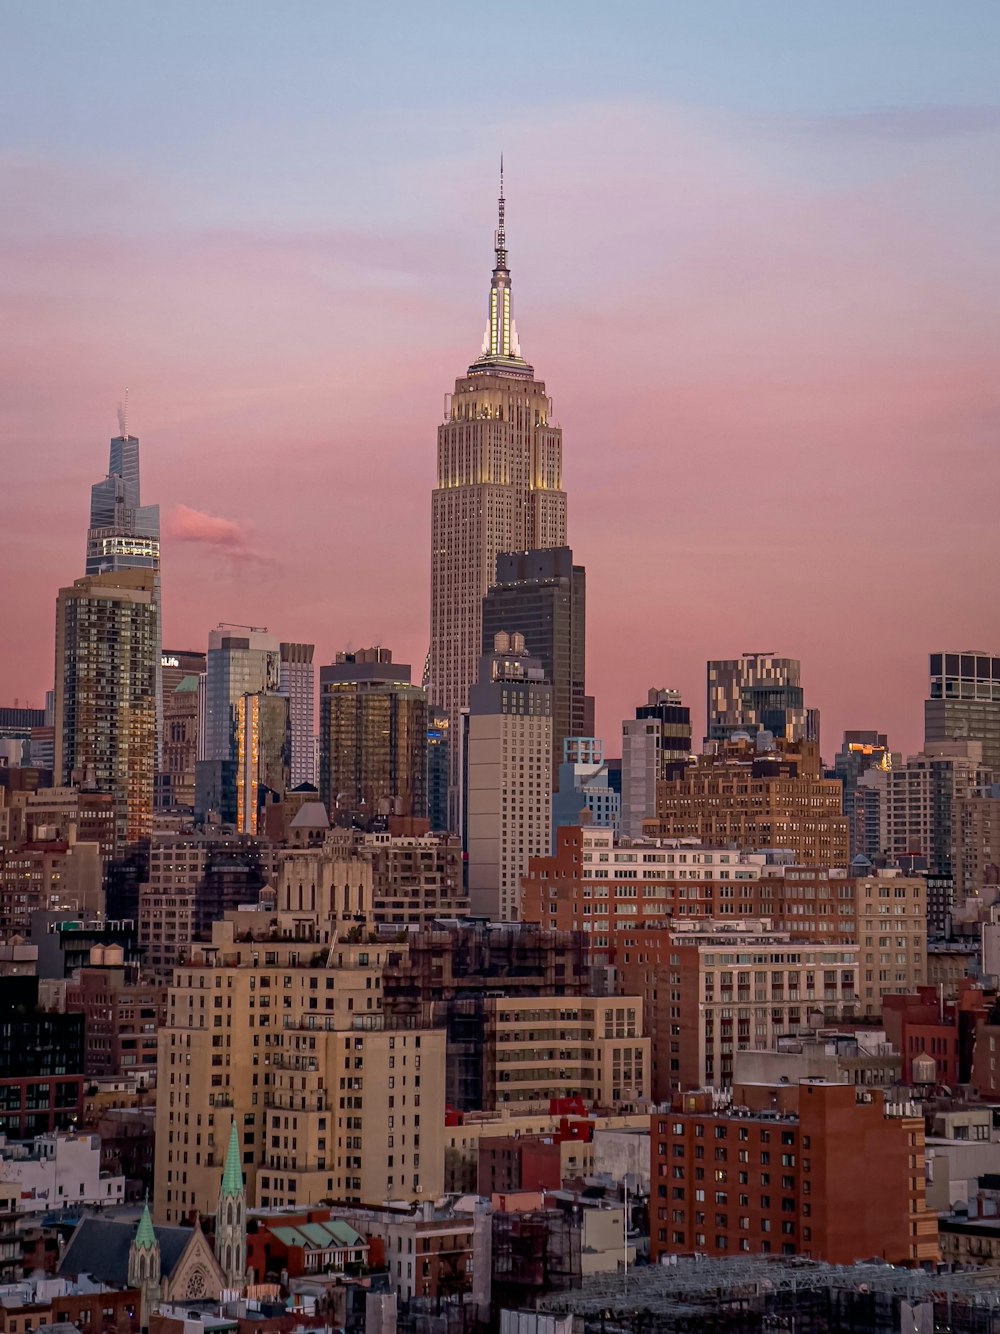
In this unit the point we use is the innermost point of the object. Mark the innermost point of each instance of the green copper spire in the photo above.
(232, 1173)
(145, 1237)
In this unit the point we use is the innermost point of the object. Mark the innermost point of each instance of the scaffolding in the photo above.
(534, 1253)
(757, 1295)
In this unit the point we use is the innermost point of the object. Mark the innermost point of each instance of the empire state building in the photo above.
(499, 488)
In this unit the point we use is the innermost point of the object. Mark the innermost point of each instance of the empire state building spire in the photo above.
(501, 351)
(499, 489)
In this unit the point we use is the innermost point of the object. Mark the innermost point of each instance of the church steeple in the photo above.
(501, 350)
(144, 1271)
(231, 1216)
(232, 1172)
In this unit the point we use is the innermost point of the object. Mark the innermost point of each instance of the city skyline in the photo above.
(790, 327)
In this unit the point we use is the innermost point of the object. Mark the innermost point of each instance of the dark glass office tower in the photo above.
(372, 740)
(438, 742)
(964, 702)
(543, 596)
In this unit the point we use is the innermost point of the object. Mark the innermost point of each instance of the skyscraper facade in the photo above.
(373, 739)
(758, 692)
(180, 673)
(656, 744)
(107, 651)
(499, 489)
(963, 702)
(124, 534)
(242, 660)
(543, 595)
(263, 755)
(438, 770)
(298, 684)
(507, 770)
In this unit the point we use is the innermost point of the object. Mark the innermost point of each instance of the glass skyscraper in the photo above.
(241, 661)
(124, 534)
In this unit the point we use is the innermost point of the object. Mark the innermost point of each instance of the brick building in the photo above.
(41, 1063)
(825, 1171)
(121, 1018)
(751, 800)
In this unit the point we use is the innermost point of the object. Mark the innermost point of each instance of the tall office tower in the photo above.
(758, 693)
(263, 755)
(180, 671)
(860, 752)
(107, 651)
(507, 772)
(124, 534)
(499, 488)
(372, 739)
(297, 682)
(544, 595)
(242, 660)
(656, 744)
(964, 703)
(438, 746)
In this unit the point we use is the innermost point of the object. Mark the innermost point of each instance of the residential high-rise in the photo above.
(917, 815)
(758, 692)
(242, 660)
(297, 682)
(964, 702)
(545, 595)
(373, 739)
(107, 651)
(656, 744)
(499, 489)
(373, 1136)
(263, 750)
(124, 534)
(860, 752)
(507, 771)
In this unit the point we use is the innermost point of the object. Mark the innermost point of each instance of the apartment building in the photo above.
(539, 1049)
(279, 1023)
(826, 1171)
(751, 799)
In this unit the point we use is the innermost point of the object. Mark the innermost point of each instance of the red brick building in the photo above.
(925, 1024)
(121, 1017)
(826, 1171)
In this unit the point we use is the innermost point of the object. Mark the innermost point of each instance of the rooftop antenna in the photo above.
(501, 246)
(123, 416)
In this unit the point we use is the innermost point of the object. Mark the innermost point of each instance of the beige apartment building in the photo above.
(892, 934)
(278, 1024)
(536, 1049)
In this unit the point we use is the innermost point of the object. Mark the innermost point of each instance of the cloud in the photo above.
(190, 525)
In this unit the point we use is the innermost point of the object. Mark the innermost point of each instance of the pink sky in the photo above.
(772, 346)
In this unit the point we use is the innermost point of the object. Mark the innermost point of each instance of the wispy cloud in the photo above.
(227, 537)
